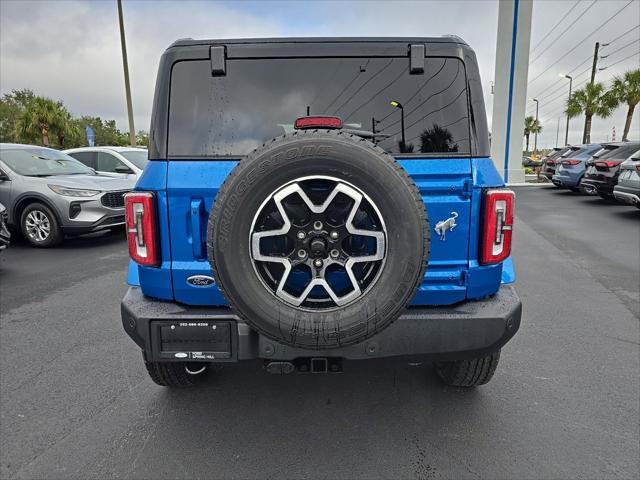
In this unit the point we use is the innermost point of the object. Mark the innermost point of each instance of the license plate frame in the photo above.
(194, 340)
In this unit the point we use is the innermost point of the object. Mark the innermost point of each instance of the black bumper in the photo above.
(602, 187)
(466, 330)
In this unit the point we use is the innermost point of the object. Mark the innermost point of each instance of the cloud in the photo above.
(70, 50)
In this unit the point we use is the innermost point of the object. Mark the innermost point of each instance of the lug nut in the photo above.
(334, 235)
(302, 253)
(317, 225)
(301, 235)
(317, 263)
(334, 253)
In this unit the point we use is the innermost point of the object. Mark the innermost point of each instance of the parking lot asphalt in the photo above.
(75, 401)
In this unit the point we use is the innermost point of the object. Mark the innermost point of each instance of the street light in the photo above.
(396, 104)
(566, 135)
(535, 141)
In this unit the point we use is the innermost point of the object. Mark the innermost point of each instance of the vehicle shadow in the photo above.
(90, 240)
(254, 419)
(630, 213)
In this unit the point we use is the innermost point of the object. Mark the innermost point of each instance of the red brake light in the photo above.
(570, 162)
(551, 162)
(140, 213)
(638, 167)
(608, 163)
(317, 122)
(498, 214)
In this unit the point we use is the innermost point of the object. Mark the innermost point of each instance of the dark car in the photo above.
(604, 167)
(5, 236)
(550, 162)
(283, 213)
(628, 188)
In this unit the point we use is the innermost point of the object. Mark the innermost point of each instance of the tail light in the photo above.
(498, 214)
(608, 163)
(551, 162)
(638, 168)
(303, 123)
(570, 162)
(140, 212)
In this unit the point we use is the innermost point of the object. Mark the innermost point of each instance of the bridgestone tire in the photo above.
(173, 374)
(318, 153)
(468, 373)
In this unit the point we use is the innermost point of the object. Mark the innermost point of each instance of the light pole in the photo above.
(395, 104)
(566, 135)
(127, 87)
(535, 141)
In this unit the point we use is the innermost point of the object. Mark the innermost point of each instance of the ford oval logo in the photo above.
(200, 280)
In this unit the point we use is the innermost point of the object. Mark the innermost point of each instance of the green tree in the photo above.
(107, 134)
(142, 138)
(12, 106)
(68, 131)
(41, 117)
(626, 89)
(531, 125)
(591, 100)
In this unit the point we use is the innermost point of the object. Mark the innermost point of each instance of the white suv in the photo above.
(112, 160)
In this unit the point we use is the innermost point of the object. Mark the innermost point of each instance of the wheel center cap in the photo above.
(318, 247)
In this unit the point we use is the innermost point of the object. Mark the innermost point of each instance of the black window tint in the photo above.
(107, 162)
(260, 99)
(87, 158)
(618, 153)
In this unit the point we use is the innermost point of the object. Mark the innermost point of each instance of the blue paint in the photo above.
(133, 278)
(516, 6)
(508, 271)
(186, 191)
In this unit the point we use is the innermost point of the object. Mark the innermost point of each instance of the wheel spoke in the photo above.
(318, 271)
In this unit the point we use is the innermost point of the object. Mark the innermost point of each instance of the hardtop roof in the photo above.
(186, 42)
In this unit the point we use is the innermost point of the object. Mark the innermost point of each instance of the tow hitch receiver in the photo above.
(305, 365)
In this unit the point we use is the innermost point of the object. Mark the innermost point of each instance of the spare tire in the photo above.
(318, 239)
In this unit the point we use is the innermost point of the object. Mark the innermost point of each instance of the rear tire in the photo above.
(175, 374)
(39, 226)
(468, 373)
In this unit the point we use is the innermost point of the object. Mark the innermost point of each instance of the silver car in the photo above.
(628, 188)
(112, 161)
(49, 194)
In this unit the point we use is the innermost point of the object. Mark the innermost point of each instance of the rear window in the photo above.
(614, 152)
(138, 157)
(260, 99)
(559, 153)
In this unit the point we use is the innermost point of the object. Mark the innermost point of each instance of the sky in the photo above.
(70, 50)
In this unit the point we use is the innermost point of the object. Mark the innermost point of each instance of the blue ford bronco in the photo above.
(313, 201)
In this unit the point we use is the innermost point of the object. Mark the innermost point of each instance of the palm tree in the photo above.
(66, 127)
(593, 99)
(40, 116)
(626, 89)
(531, 125)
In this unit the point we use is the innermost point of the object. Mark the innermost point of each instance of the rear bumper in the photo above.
(566, 180)
(467, 330)
(601, 187)
(628, 195)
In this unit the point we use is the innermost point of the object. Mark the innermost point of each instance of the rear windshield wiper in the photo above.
(364, 133)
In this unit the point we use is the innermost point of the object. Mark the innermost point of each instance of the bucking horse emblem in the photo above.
(443, 225)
